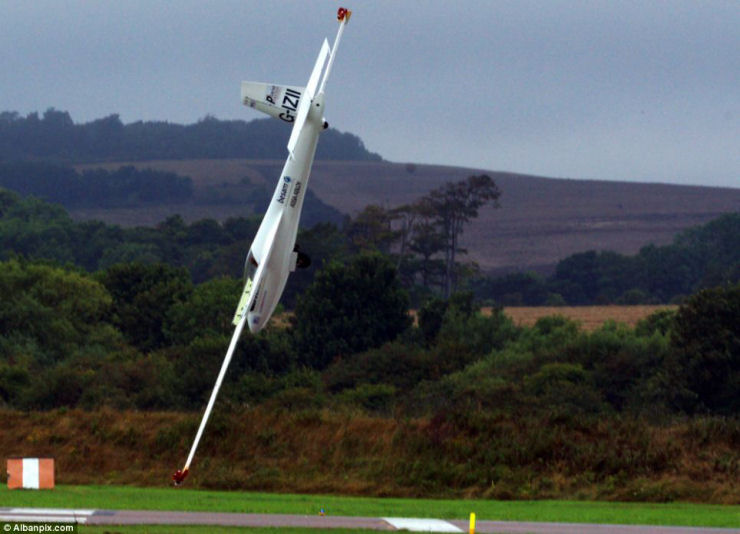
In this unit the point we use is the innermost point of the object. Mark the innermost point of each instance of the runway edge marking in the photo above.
(421, 525)
(44, 515)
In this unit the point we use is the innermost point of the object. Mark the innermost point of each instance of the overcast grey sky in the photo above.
(616, 90)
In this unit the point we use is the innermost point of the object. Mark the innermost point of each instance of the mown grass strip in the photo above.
(135, 498)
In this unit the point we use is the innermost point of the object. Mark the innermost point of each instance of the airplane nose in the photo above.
(255, 323)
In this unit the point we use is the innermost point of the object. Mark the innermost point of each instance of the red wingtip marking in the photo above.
(180, 475)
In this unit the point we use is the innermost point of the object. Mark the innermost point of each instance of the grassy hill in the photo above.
(291, 449)
(541, 220)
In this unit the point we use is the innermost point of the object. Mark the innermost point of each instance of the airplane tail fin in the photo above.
(291, 103)
(317, 82)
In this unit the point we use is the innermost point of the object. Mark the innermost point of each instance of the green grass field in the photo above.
(134, 498)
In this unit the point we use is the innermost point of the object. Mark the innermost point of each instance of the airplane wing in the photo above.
(305, 104)
(343, 16)
(179, 476)
(239, 320)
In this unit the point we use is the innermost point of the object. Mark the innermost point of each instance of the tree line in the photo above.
(424, 236)
(128, 187)
(417, 238)
(423, 240)
(700, 257)
(459, 403)
(36, 230)
(96, 188)
(143, 336)
(55, 136)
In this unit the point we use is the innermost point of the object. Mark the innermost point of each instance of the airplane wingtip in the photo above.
(179, 476)
(343, 14)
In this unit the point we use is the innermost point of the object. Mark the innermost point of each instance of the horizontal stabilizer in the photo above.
(279, 101)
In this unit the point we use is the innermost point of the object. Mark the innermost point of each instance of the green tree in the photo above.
(323, 243)
(706, 339)
(372, 230)
(427, 241)
(49, 311)
(142, 297)
(475, 333)
(208, 310)
(717, 243)
(196, 367)
(405, 217)
(55, 136)
(13, 380)
(350, 308)
(430, 317)
(454, 205)
(704, 256)
(514, 289)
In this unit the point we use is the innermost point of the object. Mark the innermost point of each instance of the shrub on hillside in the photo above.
(565, 388)
(477, 333)
(374, 398)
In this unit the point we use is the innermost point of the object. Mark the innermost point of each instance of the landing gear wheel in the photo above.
(303, 261)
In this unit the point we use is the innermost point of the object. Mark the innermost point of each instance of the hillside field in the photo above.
(589, 317)
(540, 221)
(288, 449)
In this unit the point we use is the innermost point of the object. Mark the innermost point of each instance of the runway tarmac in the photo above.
(148, 517)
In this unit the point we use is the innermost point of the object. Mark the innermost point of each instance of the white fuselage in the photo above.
(285, 212)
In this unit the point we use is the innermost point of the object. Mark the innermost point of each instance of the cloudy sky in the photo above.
(617, 90)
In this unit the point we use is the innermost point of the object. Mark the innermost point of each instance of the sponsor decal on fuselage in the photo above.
(284, 190)
(296, 191)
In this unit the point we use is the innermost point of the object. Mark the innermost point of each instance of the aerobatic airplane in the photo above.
(274, 254)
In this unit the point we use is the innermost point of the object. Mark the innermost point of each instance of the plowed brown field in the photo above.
(590, 317)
